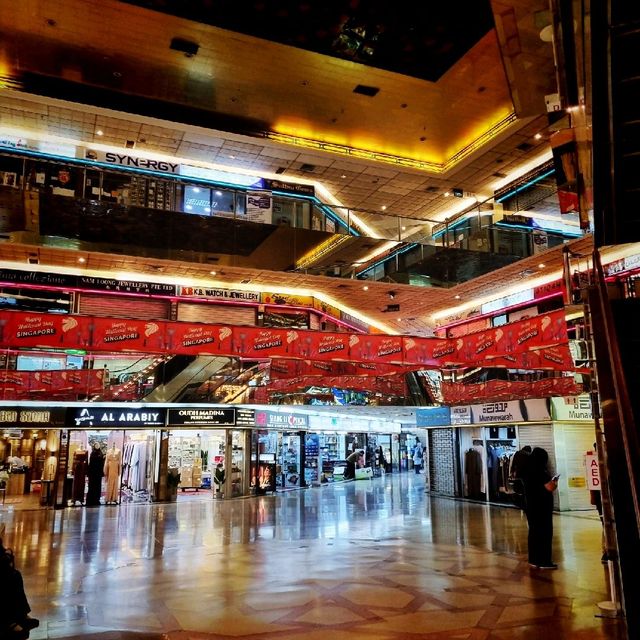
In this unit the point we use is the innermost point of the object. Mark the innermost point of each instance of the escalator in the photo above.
(617, 349)
(177, 377)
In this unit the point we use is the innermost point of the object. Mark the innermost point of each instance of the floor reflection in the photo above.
(375, 559)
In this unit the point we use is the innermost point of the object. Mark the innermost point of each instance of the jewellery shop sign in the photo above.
(202, 417)
(115, 417)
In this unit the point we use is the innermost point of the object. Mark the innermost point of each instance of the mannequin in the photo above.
(80, 458)
(112, 464)
(96, 471)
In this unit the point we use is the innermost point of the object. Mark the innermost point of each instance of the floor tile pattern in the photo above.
(378, 559)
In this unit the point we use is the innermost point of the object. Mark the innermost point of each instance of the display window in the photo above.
(110, 467)
(28, 463)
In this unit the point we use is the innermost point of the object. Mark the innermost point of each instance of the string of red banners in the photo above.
(536, 343)
(32, 384)
(454, 393)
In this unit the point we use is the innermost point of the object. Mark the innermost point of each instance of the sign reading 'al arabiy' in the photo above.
(116, 417)
(202, 417)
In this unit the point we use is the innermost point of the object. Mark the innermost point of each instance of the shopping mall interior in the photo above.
(288, 291)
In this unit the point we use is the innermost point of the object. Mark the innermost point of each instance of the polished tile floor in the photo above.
(378, 559)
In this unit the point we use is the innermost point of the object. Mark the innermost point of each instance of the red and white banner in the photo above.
(535, 343)
(31, 384)
(453, 393)
(281, 369)
(392, 385)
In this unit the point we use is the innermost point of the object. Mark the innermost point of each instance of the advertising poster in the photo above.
(259, 206)
(45, 329)
(127, 335)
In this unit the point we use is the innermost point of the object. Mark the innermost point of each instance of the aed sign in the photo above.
(593, 471)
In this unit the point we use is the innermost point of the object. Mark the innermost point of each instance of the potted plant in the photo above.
(173, 480)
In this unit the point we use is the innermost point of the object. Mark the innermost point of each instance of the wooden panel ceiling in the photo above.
(123, 48)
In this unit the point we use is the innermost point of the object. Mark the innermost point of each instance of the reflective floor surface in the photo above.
(378, 559)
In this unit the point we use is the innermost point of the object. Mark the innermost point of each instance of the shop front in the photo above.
(29, 453)
(574, 434)
(109, 455)
(206, 452)
(278, 454)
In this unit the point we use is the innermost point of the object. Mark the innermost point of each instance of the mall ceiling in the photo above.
(223, 92)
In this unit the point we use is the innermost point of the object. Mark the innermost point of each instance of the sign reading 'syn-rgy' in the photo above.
(202, 417)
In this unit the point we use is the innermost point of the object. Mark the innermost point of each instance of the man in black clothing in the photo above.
(352, 459)
(15, 621)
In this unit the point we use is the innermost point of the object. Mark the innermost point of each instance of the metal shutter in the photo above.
(216, 313)
(540, 435)
(572, 440)
(92, 304)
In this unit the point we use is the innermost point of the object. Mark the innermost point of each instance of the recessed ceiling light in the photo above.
(538, 136)
(213, 273)
(232, 157)
(404, 228)
(99, 132)
(446, 194)
(457, 297)
(343, 175)
(82, 259)
(384, 207)
(541, 265)
(365, 288)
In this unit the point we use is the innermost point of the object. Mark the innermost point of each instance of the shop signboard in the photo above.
(460, 415)
(245, 417)
(212, 417)
(593, 471)
(35, 277)
(133, 162)
(572, 408)
(219, 294)
(288, 187)
(116, 417)
(497, 412)
(433, 417)
(35, 415)
(126, 286)
(282, 420)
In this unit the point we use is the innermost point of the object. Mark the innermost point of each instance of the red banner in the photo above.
(31, 384)
(536, 343)
(282, 369)
(453, 393)
(392, 385)
(127, 335)
(44, 329)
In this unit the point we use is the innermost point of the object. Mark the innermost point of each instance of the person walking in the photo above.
(539, 487)
(417, 456)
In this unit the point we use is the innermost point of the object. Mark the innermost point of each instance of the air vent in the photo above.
(184, 46)
(130, 144)
(308, 168)
(525, 146)
(365, 90)
(247, 281)
(497, 174)
(432, 189)
(281, 170)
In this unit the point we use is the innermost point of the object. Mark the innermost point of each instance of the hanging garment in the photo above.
(80, 459)
(112, 464)
(96, 471)
(473, 472)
